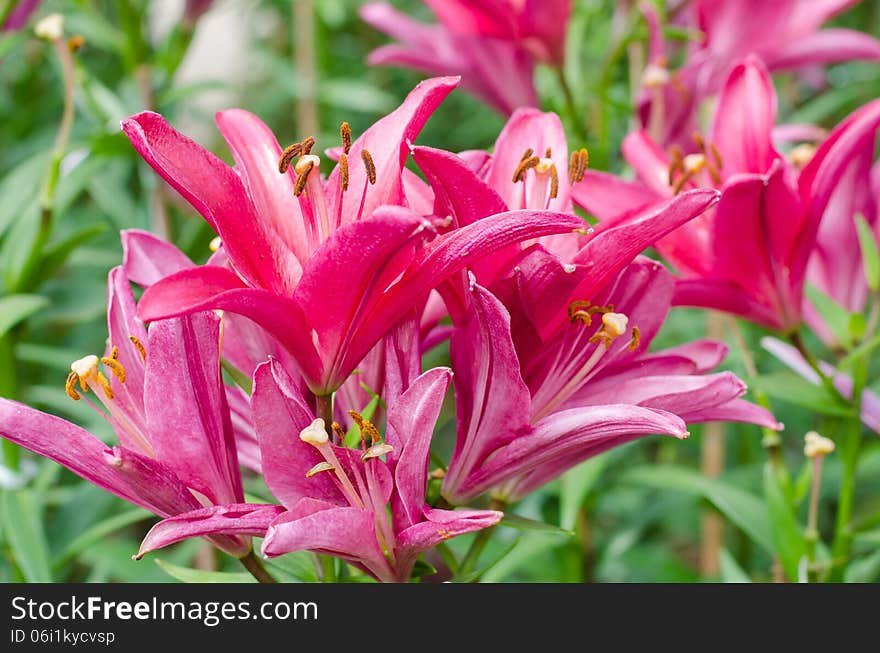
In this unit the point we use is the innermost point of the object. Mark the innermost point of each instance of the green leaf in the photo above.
(834, 315)
(576, 485)
(19, 189)
(789, 387)
(99, 531)
(742, 508)
(15, 308)
(788, 536)
(731, 572)
(240, 378)
(57, 253)
(22, 524)
(298, 566)
(870, 252)
(422, 568)
(525, 524)
(863, 570)
(188, 575)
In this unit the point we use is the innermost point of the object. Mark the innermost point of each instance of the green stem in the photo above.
(253, 564)
(469, 563)
(328, 568)
(9, 390)
(324, 409)
(570, 104)
(849, 455)
(798, 343)
(811, 535)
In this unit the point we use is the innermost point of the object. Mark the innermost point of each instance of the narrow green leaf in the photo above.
(525, 524)
(788, 535)
(742, 508)
(22, 524)
(57, 254)
(15, 308)
(834, 315)
(19, 189)
(240, 378)
(99, 531)
(870, 252)
(731, 572)
(576, 485)
(789, 387)
(863, 570)
(188, 575)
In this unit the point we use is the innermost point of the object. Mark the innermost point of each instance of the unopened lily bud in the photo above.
(50, 28)
(314, 433)
(816, 445)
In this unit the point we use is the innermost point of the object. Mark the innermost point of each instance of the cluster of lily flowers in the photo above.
(296, 351)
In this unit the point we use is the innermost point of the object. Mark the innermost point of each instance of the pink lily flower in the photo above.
(740, 258)
(321, 265)
(537, 396)
(495, 67)
(337, 498)
(784, 34)
(163, 394)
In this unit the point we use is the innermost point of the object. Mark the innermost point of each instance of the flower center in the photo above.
(683, 169)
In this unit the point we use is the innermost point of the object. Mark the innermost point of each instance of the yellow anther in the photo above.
(367, 158)
(368, 430)
(320, 467)
(345, 134)
(524, 165)
(583, 311)
(554, 182)
(343, 171)
(444, 534)
(114, 365)
(105, 384)
(70, 386)
(315, 433)
(137, 345)
(376, 451)
(75, 42)
(307, 145)
(289, 154)
(215, 244)
(303, 171)
(577, 164)
(816, 445)
(693, 163)
(527, 154)
(635, 339)
(338, 432)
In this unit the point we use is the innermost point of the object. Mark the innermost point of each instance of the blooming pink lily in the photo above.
(748, 256)
(325, 271)
(164, 396)
(492, 44)
(784, 34)
(537, 396)
(338, 498)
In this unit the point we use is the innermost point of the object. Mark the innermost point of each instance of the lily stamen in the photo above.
(613, 326)
(137, 345)
(367, 158)
(345, 135)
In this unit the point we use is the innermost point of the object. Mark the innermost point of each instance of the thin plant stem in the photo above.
(798, 342)
(469, 562)
(305, 65)
(811, 535)
(255, 566)
(711, 465)
(570, 104)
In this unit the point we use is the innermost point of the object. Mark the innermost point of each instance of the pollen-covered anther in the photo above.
(577, 165)
(376, 451)
(307, 145)
(289, 154)
(303, 169)
(368, 429)
(112, 363)
(444, 534)
(524, 165)
(613, 326)
(367, 158)
(315, 433)
(343, 171)
(338, 432)
(583, 311)
(137, 345)
(345, 135)
(635, 339)
(320, 467)
(84, 368)
(70, 386)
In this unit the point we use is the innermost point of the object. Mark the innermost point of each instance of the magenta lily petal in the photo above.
(347, 533)
(825, 47)
(256, 153)
(388, 142)
(606, 196)
(246, 519)
(561, 439)
(191, 428)
(744, 119)
(147, 258)
(279, 416)
(411, 421)
(215, 191)
(439, 526)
